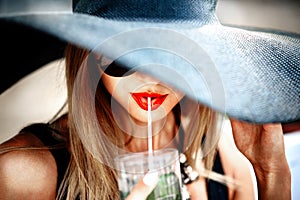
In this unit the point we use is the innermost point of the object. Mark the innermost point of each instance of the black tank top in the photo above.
(216, 190)
(47, 135)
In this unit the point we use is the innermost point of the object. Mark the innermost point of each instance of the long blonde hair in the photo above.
(86, 175)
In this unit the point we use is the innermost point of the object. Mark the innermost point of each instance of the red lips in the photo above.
(142, 99)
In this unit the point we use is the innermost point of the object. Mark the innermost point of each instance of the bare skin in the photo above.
(27, 174)
(264, 147)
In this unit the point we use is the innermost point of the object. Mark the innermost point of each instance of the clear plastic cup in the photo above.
(132, 167)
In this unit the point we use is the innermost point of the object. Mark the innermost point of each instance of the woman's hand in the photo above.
(263, 145)
(144, 187)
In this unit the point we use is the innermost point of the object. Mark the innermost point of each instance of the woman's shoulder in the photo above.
(27, 165)
(27, 168)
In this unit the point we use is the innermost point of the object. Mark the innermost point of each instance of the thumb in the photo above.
(144, 187)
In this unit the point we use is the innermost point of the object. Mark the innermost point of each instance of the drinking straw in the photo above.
(150, 150)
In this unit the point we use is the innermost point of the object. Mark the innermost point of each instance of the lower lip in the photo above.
(142, 100)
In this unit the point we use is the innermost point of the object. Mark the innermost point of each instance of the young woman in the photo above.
(71, 157)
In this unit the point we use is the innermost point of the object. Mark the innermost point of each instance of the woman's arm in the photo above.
(263, 145)
(236, 166)
(27, 173)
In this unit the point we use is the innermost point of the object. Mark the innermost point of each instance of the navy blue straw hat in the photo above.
(249, 74)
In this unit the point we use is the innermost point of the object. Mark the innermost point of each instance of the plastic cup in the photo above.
(132, 167)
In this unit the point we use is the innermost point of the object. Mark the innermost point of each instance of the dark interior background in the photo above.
(23, 50)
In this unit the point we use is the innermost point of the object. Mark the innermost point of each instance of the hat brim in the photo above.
(250, 75)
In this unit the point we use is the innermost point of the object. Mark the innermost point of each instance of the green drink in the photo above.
(168, 188)
(132, 168)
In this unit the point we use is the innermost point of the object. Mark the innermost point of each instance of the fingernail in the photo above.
(151, 178)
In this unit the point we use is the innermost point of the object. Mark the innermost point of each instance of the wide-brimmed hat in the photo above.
(249, 74)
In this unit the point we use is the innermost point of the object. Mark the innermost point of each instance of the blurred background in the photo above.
(274, 14)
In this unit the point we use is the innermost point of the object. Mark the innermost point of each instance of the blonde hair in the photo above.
(86, 175)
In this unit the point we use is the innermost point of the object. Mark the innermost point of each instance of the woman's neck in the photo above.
(164, 134)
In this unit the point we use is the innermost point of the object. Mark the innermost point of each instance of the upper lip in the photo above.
(148, 94)
(142, 99)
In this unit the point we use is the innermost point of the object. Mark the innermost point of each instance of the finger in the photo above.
(196, 188)
(144, 187)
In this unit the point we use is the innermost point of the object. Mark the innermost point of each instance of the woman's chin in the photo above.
(141, 116)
